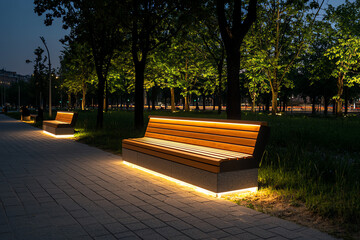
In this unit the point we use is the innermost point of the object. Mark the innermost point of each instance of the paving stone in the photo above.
(149, 234)
(127, 235)
(260, 232)
(195, 233)
(284, 232)
(96, 230)
(233, 230)
(179, 225)
(246, 236)
(168, 232)
(115, 227)
(218, 234)
(155, 223)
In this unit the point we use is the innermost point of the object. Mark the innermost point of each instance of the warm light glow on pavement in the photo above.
(59, 136)
(196, 188)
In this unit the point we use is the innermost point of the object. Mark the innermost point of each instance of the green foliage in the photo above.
(77, 68)
(275, 42)
(346, 54)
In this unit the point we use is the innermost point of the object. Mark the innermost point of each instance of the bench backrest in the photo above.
(233, 135)
(68, 117)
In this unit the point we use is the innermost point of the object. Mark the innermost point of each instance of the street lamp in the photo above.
(43, 40)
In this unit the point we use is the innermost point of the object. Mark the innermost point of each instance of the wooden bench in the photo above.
(217, 155)
(62, 125)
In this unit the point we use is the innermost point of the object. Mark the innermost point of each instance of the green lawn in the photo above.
(315, 160)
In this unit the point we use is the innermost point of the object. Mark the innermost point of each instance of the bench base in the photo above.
(58, 131)
(25, 118)
(214, 182)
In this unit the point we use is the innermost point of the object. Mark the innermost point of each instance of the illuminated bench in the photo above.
(63, 125)
(216, 155)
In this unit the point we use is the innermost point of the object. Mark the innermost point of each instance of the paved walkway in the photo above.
(60, 189)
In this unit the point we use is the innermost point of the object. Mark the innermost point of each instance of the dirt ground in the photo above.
(274, 204)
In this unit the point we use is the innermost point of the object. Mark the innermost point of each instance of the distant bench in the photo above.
(31, 117)
(217, 155)
(62, 125)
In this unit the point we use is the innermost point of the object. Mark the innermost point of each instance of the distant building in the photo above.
(7, 78)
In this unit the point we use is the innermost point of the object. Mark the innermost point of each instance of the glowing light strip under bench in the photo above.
(59, 136)
(196, 188)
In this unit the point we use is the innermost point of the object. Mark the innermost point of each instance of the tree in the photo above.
(212, 46)
(150, 23)
(77, 68)
(316, 68)
(346, 54)
(94, 22)
(345, 17)
(39, 76)
(233, 31)
(278, 38)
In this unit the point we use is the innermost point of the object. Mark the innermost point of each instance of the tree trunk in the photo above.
(69, 100)
(186, 103)
(83, 101)
(313, 110)
(274, 102)
(284, 106)
(214, 101)
(219, 103)
(100, 113)
(233, 104)
(340, 86)
(139, 94)
(106, 100)
(346, 100)
(204, 102)
(148, 100)
(121, 102)
(172, 96)
(253, 105)
(153, 98)
(233, 37)
(326, 104)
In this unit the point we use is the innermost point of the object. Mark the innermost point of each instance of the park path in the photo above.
(61, 189)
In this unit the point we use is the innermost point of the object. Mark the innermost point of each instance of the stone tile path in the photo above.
(60, 189)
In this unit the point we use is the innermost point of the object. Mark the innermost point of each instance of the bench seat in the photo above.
(57, 124)
(62, 125)
(206, 158)
(214, 154)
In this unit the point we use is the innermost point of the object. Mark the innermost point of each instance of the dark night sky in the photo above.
(20, 34)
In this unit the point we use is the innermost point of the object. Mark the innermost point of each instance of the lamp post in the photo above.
(19, 94)
(43, 40)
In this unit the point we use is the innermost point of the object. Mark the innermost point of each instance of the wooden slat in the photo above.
(184, 161)
(217, 153)
(64, 117)
(203, 136)
(219, 145)
(224, 132)
(260, 123)
(219, 125)
(205, 151)
(183, 154)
